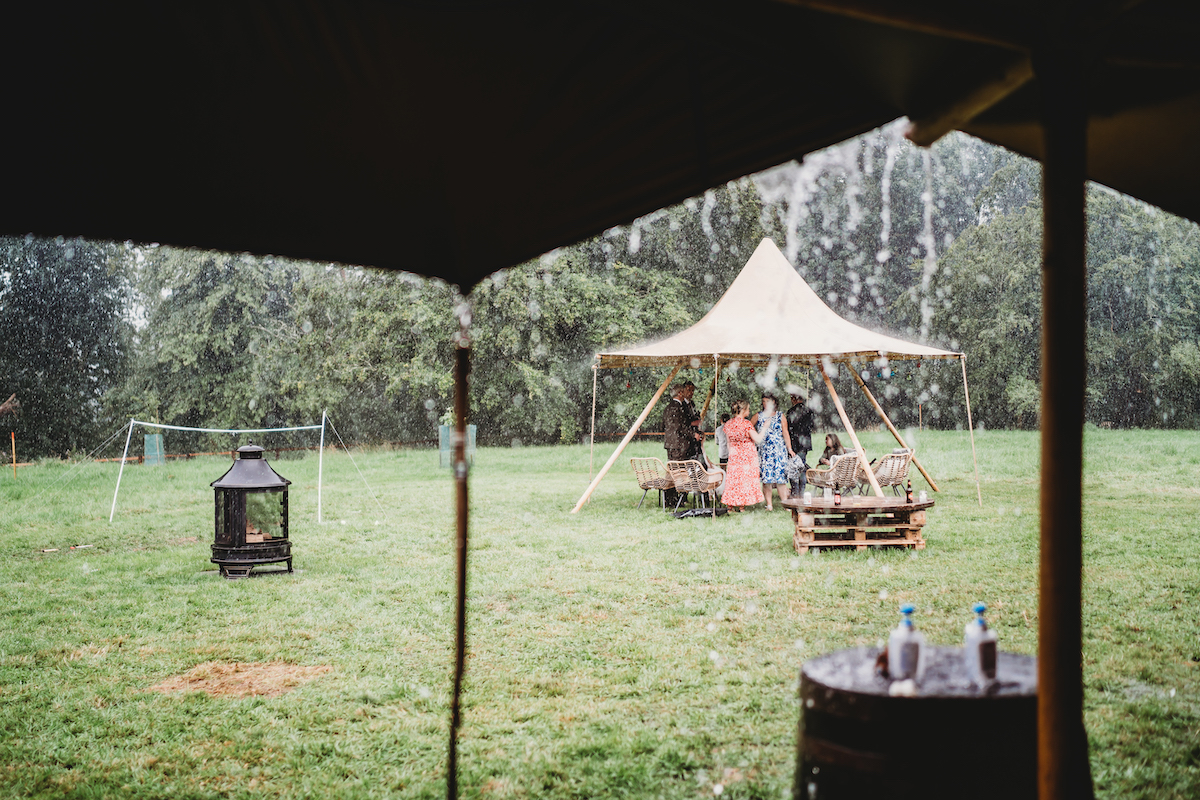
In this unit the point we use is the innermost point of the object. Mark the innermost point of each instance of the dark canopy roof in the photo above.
(456, 138)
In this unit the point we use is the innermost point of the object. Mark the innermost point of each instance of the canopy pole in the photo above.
(120, 472)
(971, 427)
(1060, 64)
(716, 383)
(628, 437)
(879, 410)
(862, 454)
(461, 469)
(712, 392)
(592, 461)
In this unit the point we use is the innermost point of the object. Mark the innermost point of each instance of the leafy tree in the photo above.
(537, 328)
(65, 335)
(1143, 324)
(196, 362)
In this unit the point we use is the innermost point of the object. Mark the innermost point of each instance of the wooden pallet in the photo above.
(859, 522)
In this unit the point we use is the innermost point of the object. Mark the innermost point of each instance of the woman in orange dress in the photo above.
(742, 484)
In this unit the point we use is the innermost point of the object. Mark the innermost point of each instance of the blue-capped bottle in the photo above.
(979, 648)
(905, 648)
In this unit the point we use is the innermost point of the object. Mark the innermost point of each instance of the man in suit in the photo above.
(681, 436)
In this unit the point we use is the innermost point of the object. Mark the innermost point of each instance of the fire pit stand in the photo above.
(251, 516)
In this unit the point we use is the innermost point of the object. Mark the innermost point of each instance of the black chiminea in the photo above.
(252, 516)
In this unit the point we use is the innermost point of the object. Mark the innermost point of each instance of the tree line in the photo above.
(939, 246)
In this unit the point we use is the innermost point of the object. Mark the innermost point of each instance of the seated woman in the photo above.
(833, 447)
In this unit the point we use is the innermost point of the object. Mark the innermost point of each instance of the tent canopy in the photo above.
(453, 139)
(770, 311)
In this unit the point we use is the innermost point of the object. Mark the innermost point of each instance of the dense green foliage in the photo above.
(614, 653)
(940, 245)
(64, 338)
(1143, 326)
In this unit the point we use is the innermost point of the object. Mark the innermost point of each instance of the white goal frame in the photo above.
(132, 422)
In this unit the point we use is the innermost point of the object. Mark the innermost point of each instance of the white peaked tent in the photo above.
(769, 315)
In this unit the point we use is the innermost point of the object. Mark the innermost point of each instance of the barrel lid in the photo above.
(945, 673)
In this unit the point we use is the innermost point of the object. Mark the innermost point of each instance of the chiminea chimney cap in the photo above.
(250, 451)
(250, 471)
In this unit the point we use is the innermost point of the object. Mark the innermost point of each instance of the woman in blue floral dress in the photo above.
(772, 453)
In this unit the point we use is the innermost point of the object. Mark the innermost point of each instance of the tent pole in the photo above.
(712, 392)
(459, 448)
(879, 410)
(1060, 64)
(628, 437)
(971, 428)
(120, 472)
(716, 383)
(592, 461)
(862, 454)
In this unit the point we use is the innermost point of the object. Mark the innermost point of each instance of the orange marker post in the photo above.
(13, 434)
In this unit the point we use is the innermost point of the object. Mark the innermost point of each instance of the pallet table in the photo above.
(859, 522)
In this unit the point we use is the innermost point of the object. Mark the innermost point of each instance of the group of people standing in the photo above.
(761, 454)
(767, 452)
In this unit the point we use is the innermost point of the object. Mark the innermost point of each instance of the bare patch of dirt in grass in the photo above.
(184, 540)
(219, 679)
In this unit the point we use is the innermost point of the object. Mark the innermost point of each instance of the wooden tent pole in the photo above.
(628, 437)
(883, 416)
(971, 428)
(716, 383)
(862, 454)
(462, 370)
(712, 390)
(1060, 65)
(592, 455)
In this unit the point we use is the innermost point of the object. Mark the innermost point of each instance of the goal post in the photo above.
(231, 431)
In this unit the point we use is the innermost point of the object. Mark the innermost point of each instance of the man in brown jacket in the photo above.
(679, 430)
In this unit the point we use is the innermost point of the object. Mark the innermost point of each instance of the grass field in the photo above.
(613, 653)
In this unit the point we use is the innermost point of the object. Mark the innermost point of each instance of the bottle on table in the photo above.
(905, 657)
(837, 495)
(979, 648)
(908, 492)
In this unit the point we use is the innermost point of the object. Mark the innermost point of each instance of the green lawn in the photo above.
(613, 653)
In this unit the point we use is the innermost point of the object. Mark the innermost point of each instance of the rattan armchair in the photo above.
(651, 474)
(890, 470)
(844, 472)
(693, 478)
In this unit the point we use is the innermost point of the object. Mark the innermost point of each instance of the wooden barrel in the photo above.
(951, 739)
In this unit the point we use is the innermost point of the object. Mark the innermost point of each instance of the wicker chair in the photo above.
(890, 470)
(651, 474)
(691, 477)
(843, 473)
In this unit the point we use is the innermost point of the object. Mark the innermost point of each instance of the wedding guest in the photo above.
(742, 480)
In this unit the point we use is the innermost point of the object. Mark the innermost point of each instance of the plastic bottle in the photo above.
(905, 646)
(979, 648)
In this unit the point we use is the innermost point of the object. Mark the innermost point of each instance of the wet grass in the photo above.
(614, 653)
